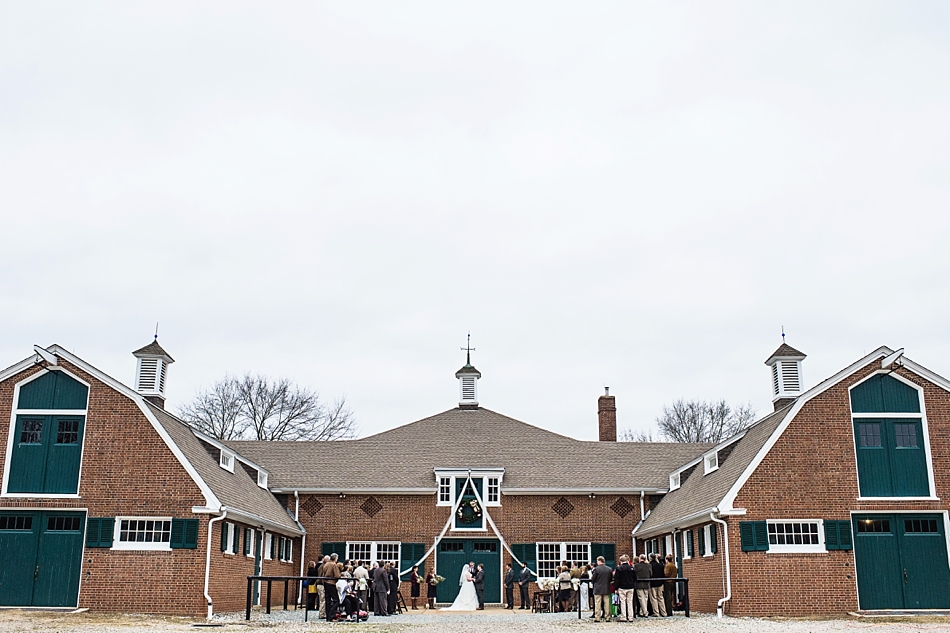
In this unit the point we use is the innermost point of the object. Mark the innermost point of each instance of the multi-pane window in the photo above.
(62, 524)
(874, 525)
(494, 491)
(143, 533)
(870, 434)
(16, 523)
(68, 431)
(793, 533)
(286, 549)
(905, 435)
(550, 555)
(920, 526)
(445, 490)
(269, 546)
(371, 551)
(32, 432)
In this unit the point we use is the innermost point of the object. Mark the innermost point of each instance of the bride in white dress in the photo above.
(467, 600)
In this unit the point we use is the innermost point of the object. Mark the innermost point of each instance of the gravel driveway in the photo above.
(492, 620)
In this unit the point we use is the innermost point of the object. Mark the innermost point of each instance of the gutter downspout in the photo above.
(725, 538)
(303, 542)
(642, 506)
(208, 562)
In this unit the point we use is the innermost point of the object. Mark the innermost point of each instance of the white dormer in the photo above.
(262, 479)
(468, 384)
(786, 366)
(226, 460)
(151, 370)
(675, 479)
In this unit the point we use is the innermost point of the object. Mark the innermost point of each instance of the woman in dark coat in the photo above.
(414, 587)
(431, 590)
(312, 597)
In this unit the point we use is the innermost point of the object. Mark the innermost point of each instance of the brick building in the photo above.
(109, 502)
(836, 501)
(830, 503)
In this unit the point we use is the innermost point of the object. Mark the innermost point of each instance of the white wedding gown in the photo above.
(467, 600)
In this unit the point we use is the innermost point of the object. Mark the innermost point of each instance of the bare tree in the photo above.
(216, 411)
(266, 409)
(701, 421)
(629, 435)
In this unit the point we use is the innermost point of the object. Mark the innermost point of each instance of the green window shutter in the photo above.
(689, 543)
(844, 535)
(273, 545)
(526, 553)
(177, 540)
(333, 548)
(190, 538)
(224, 537)
(831, 535)
(701, 534)
(107, 526)
(247, 541)
(607, 550)
(411, 553)
(92, 532)
(747, 536)
(761, 536)
(838, 535)
(713, 533)
(754, 536)
(184, 534)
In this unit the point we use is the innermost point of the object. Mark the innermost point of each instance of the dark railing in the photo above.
(298, 583)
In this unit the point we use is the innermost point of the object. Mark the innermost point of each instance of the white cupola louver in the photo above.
(151, 371)
(786, 366)
(468, 380)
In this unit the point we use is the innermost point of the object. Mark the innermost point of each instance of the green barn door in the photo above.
(58, 559)
(488, 553)
(19, 536)
(28, 462)
(907, 459)
(926, 573)
(877, 561)
(449, 560)
(40, 558)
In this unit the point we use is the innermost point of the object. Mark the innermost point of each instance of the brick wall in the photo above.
(810, 473)
(417, 519)
(126, 470)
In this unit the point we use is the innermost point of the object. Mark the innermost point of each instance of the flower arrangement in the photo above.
(436, 579)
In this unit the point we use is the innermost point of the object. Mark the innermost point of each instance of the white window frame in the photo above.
(251, 535)
(799, 549)
(684, 544)
(562, 553)
(455, 475)
(374, 550)
(675, 481)
(445, 491)
(226, 460)
(707, 541)
(262, 479)
(268, 537)
(288, 544)
(140, 545)
(711, 462)
(492, 498)
(229, 546)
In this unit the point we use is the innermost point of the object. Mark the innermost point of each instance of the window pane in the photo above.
(549, 556)
(906, 435)
(870, 434)
(920, 526)
(67, 432)
(32, 432)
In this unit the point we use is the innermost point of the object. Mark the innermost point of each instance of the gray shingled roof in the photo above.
(155, 349)
(785, 350)
(404, 457)
(703, 492)
(236, 490)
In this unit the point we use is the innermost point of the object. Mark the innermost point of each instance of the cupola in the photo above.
(151, 370)
(468, 380)
(786, 366)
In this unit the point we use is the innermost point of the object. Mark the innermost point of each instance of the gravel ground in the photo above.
(492, 620)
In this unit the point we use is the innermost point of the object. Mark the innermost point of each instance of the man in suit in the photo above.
(600, 577)
(380, 590)
(509, 587)
(393, 587)
(523, 581)
(657, 604)
(479, 581)
(331, 572)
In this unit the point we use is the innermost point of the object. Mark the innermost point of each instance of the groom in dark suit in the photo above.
(479, 581)
(523, 581)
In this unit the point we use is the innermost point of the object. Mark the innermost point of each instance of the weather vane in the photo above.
(783, 334)
(468, 349)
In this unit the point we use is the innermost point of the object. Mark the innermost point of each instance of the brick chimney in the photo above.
(607, 417)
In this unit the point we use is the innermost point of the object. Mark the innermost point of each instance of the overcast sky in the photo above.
(630, 194)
